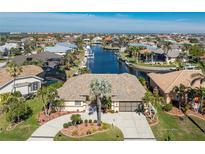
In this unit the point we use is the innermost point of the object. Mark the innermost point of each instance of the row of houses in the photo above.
(126, 95)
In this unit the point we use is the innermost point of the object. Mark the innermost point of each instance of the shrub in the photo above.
(65, 125)
(168, 107)
(94, 130)
(95, 121)
(18, 111)
(88, 132)
(74, 133)
(105, 126)
(76, 118)
(86, 121)
(90, 121)
(81, 121)
(70, 124)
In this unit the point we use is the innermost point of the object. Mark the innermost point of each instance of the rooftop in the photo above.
(125, 87)
(28, 70)
(168, 81)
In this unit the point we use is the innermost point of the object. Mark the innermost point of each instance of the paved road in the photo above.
(132, 125)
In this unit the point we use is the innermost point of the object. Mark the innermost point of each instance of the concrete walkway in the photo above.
(132, 125)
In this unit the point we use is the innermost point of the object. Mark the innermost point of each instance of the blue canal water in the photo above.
(105, 61)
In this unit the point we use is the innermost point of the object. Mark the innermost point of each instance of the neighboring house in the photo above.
(166, 82)
(97, 40)
(7, 47)
(28, 82)
(61, 48)
(51, 60)
(127, 92)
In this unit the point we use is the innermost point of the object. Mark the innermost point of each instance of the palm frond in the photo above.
(195, 80)
(197, 75)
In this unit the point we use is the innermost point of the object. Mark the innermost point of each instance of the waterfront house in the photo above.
(48, 59)
(28, 82)
(167, 81)
(61, 48)
(127, 92)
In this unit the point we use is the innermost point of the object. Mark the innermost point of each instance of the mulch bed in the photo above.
(196, 114)
(176, 112)
(82, 130)
(42, 118)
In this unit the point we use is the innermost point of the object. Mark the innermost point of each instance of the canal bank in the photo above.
(105, 61)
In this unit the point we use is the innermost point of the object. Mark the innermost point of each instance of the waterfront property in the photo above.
(61, 48)
(46, 58)
(166, 82)
(28, 82)
(127, 92)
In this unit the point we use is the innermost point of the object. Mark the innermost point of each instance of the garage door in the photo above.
(128, 106)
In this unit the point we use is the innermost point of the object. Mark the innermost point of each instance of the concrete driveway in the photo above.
(132, 125)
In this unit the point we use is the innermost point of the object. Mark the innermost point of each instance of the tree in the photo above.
(142, 81)
(150, 101)
(15, 107)
(199, 76)
(51, 101)
(196, 51)
(14, 71)
(18, 111)
(180, 92)
(100, 87)
(201, 93)
(84, 70)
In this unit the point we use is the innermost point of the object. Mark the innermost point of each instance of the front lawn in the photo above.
(23, 130)
(178, 129)
(113, 134)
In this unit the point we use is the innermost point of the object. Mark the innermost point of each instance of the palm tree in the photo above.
(180, 92)
(100, 87)
(199, 76)
(166, 48)
(201, 93)
(14, 70)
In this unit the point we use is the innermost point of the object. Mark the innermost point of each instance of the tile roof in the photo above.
(43, 56)
(28, 70)
(125, 87)
(168, 81)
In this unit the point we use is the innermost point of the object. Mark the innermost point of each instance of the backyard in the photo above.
(178, 129)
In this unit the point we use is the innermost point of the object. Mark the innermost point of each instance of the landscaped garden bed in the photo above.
(42, 118)
(77, 129)
(176, 112)
(84, 129)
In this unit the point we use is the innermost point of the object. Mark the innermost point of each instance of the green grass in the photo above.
(178, 130)
(23, 130)
(113, 134)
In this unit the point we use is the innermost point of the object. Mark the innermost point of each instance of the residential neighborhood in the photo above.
(73, 86)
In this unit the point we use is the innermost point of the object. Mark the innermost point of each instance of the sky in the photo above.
(103, 22)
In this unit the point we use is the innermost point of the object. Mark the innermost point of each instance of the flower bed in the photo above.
(84, 129)
(176, 112)
(42, 118)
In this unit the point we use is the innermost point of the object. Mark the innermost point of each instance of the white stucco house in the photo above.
(28, 82)
(61, 48)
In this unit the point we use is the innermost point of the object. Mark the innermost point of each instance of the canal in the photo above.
(105, 61)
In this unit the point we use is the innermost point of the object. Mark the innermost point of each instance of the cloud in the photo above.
(58, 22)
